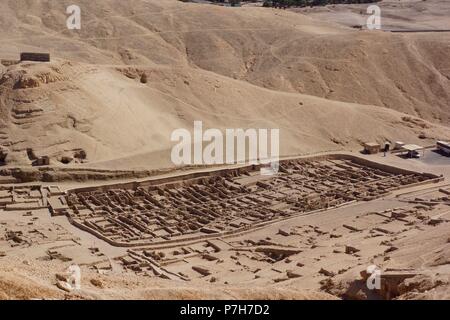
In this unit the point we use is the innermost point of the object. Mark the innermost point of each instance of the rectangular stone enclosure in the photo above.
(228, 201)
(32, 56)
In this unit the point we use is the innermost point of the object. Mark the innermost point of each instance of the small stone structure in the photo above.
(3, 155)
(42, 161)
(372, 148)
(33, 56)
(21, 198)
(7, 63)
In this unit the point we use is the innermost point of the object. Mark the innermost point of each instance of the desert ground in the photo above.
(111, 202)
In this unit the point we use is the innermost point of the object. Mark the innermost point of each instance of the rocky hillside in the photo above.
(325, 86)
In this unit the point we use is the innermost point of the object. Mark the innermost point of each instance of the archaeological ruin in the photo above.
(233, 226)
(228, 202)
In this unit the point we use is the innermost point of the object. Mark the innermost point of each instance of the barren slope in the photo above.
(230, 67)
(63, 107)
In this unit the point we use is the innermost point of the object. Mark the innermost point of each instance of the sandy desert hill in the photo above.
(326, 86)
